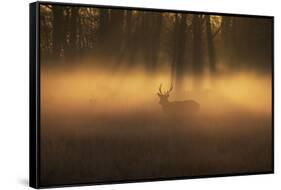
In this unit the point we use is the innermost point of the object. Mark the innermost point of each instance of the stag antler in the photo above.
(170, 90)
(160, 89)
(166, 92)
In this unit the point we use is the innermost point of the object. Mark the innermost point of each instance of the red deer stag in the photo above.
(176, 107)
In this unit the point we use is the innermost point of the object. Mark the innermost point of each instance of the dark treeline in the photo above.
(189, 43)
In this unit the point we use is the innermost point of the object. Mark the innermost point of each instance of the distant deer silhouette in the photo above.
(176, 107)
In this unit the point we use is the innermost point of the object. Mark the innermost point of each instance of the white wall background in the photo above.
(14, 53)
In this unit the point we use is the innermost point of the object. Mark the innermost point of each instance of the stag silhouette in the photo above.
(176, 107)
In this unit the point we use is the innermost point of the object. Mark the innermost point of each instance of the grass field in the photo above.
(90, 147)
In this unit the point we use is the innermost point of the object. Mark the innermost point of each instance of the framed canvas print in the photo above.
(121, 94)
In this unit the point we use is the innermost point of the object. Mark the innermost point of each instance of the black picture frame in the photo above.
(34, 94)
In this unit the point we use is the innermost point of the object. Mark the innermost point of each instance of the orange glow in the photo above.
(96, 89)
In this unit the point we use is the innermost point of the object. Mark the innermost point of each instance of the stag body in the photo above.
(176, 107)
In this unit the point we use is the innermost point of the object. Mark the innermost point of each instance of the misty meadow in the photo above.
(146, 94)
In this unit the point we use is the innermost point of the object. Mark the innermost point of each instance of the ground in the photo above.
(90, 147)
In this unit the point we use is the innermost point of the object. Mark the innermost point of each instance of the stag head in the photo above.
(164, 95)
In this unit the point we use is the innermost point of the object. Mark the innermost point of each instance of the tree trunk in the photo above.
(116, 37)
(198, 66)
(72, 47)
(58, 33)
(103, 27)
(152, 29)
(180, 59)
(211, 48)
